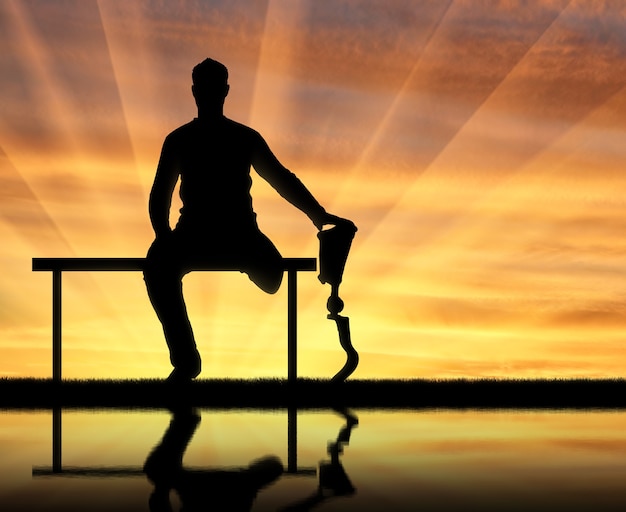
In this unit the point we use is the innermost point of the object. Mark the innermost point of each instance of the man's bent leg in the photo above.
(265, 264)
(163, 277)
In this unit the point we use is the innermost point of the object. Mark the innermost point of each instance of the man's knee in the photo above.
(268, 279)
(163, 262)
(266, 268)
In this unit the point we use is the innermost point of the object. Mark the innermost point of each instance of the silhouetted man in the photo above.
(212, 156)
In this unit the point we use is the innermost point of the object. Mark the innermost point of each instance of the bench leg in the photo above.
(57, 425)
(292, 312)
(292, 440)
(56, 325)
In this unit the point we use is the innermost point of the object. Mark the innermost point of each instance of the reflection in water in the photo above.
(202, 489)
(333, 480)
(488, 460)
(235, 489)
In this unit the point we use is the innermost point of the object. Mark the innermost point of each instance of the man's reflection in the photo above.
(233, 490)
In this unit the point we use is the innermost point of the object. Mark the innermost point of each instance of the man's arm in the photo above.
(162, 190)
(289, 186)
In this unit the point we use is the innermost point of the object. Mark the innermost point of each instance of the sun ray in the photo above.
(21, 208)
(75, 122)
(268, 109)
(36, 224)
(34, 53)
(392, 109)
(459, 226)
(271, 87)
(124, 113)
(24, 212)
(136, 80)
(482, 229)
(550, 23)
(499, 77)
(456, 145)
(370, 233)
(258, 64)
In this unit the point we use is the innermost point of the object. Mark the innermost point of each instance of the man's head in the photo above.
(210, 83)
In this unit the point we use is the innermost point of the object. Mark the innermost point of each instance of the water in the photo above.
(257, 460)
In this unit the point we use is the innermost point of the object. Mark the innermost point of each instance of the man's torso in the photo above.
(214, 160)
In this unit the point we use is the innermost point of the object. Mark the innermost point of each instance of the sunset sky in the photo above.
(479, 146)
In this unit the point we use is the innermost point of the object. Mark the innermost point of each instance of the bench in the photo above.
(59, 265)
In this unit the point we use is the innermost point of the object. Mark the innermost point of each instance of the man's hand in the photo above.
(329, 218)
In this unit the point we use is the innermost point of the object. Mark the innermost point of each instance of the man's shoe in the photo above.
(179, 376)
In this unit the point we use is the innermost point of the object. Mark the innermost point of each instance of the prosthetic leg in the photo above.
(334, 248)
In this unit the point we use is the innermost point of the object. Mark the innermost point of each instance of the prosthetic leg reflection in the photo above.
(334, 248)
(333, 481)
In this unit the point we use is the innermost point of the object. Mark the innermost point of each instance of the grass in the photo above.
(314, 393)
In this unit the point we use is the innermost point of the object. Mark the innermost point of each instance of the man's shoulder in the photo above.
(241, 128)
(178, 136)
(182, 130)
(236, 129)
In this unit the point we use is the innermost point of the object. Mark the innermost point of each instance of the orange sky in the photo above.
(479, 146)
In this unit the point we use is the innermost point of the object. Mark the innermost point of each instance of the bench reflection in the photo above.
(58, 468)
